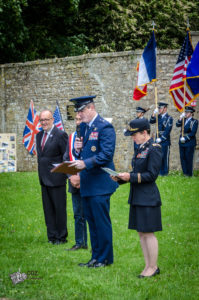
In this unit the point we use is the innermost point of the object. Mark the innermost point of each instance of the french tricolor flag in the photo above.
(147, 66)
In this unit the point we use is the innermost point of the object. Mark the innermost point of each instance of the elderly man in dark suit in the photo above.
(51, 145)
(95, 149)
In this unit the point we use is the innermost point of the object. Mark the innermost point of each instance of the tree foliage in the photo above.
(32, 29)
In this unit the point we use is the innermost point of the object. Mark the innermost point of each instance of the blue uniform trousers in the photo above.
(96, 211)
(186, 158)
(164, 170)
(80, 221)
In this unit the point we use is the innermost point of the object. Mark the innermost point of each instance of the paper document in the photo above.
(65, 168)
(67, 162)
(109, 171)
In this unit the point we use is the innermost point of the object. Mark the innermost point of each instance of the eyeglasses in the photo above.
(45, 120)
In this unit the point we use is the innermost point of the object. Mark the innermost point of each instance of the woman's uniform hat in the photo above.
(140, 109)
(189, 109)
(81, 102)
(137, 125)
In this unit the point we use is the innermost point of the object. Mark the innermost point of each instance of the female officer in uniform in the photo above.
(144, 197)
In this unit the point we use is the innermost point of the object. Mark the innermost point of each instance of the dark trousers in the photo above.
(54, 205)
(80, 221)
(96, 211)
(164, 170)
(186, 158)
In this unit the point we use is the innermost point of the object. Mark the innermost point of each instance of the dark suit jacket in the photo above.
(52, 153)
(98, 150)
(146, 165)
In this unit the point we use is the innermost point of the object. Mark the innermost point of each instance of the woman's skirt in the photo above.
(145, 218)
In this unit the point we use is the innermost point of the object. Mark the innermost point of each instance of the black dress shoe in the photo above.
(157, 272)
(58, 242)
(99, 265)
(88, 264)
(77, 247)
(51, 242)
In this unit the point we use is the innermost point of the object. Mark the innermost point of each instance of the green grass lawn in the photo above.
(53, 272)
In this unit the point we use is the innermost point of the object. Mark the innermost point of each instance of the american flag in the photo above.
(58, 119)
(32, 127)
(179, 76)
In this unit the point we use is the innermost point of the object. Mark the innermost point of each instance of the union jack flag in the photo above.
(179, 76)
(58, 119)
(32, 127)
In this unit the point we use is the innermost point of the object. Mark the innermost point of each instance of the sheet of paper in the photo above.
(109, 171)
(67, 162)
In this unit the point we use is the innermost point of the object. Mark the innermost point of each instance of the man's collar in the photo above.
(91, 122)
(49, 131)
(164, 114)
(188, 119)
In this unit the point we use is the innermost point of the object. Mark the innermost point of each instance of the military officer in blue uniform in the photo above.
(187, 142)
(95, 149)
(140, 111)
(165, 123)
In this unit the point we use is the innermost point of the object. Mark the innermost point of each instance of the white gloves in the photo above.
(158, 140)
(156, 111)
(182, 139)
(182, 115)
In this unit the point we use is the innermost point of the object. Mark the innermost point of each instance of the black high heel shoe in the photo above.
(157, 272)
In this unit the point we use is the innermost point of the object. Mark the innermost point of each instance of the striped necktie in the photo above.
(43, 141)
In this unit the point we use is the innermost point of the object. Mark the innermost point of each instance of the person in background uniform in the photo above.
(74, 189)
(140, 115)
(165, 123)
(95, 149)
(144, 197)
(140, 112)
(51, 145)
(187, 142)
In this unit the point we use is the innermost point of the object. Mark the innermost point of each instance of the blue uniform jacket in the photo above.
(146, 165)
(190, 130)
(164, 127)
(98, 150)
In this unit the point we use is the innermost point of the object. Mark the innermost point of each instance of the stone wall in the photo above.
(111, 76)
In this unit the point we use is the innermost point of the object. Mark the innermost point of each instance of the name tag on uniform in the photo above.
(93, 136)
(143, 154)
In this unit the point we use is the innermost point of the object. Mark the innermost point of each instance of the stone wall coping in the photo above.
(194, 33)
(87, 56)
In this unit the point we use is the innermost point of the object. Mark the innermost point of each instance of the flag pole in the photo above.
(183, 110)
(156, 106)
(185, 82)
(156, 94)
(60, 115)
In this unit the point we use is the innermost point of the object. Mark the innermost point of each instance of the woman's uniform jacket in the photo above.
(146, 165)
